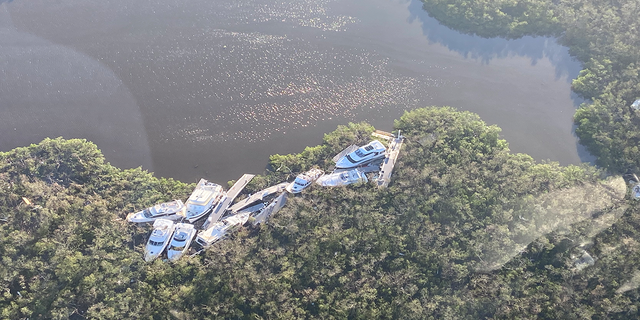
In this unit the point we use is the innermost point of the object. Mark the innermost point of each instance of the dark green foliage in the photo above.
(497, 18)
(69, 250)
(466, 230)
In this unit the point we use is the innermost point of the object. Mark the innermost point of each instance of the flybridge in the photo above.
(209, 199)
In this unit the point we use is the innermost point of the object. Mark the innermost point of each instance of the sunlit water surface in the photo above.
(197, 88)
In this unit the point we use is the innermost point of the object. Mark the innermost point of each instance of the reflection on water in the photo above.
(484, 49)
(221, 85)
(48, 90)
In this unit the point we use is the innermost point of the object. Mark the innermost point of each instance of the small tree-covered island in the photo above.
(465, 230)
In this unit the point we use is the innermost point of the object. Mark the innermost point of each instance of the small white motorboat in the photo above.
(182, 237)
(160, 236)
(342, 178)
(174, 210)
(372, 151)
(220, 229)
(204, 197)
(304, 180)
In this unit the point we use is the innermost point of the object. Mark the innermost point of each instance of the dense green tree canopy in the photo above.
(466, 230)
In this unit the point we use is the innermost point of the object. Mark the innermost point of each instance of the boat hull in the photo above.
(159, 239)
(181, 241)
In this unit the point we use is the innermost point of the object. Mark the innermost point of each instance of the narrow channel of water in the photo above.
(211, 88)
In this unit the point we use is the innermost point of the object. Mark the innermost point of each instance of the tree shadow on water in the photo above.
(487, 49)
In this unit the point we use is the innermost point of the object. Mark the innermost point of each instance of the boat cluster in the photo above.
(176, 224)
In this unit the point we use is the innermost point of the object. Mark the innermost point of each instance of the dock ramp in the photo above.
(233, 192)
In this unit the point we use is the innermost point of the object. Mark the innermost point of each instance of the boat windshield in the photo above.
(155, 243)
(147, 213)
(360, 153)
(176, 248)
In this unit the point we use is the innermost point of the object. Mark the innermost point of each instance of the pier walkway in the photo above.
(233, 192)
(389, 161)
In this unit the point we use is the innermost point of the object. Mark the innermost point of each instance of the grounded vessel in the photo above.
(367, 153)
(174, 210)
(342, 178)
(160, 236)
(182, 237)
(204, 197)
(304, 180)
(220, 229)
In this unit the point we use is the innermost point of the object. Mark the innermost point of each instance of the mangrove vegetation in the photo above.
(465, 230)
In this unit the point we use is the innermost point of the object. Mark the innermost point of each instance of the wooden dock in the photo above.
(233, 192)
(383, 135)
(384, 177)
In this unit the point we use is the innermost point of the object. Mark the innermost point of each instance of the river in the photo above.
(199, 88)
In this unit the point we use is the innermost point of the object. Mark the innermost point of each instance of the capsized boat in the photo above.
(304, 180)
(160, 236)
(204, 197)
(182, 237)
(174, 210)
(260, 196)
(268, 211)
(342, 178)
(221, 228)
(372, 151)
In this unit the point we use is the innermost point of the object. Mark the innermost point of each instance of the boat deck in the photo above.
(345, 152)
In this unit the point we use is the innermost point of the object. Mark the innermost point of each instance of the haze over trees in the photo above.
(466, 230)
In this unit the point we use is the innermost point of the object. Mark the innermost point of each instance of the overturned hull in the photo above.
(269, 210)
(221, 229)
(259, 196)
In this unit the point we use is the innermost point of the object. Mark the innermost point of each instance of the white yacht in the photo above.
(181, 241)
(342, 178)
(304, 180)
(174, 210)
(372, 151)
(220, 229)
(160, 236)
(204, 197)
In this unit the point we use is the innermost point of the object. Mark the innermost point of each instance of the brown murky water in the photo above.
(197, 88)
